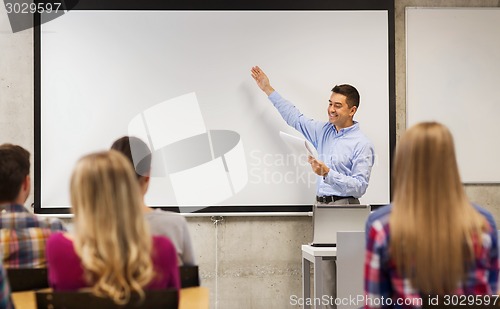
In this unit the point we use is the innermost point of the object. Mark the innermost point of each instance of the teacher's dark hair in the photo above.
(351, 94)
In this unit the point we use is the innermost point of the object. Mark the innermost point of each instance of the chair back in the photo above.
(189, 276)
(25, 279)
(154, 299)
(350, 266)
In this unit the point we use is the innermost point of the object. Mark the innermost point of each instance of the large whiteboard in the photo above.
(453, 76)
(105, 73)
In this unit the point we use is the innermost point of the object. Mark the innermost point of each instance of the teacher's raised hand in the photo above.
(262, 80)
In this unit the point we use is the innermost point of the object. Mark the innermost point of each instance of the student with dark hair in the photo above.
(22, 234)
(167, 223)
(431, 240)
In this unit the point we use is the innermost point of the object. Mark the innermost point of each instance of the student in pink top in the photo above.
(111, 250)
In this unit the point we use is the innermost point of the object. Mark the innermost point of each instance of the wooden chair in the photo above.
(25, 279)
(189, 276)
(160, 299)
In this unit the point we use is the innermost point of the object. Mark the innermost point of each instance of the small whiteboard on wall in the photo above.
(453, 76)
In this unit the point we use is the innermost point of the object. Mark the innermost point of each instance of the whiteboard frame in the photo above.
(387, 5)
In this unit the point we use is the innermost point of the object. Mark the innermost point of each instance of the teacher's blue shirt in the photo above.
(348, 152)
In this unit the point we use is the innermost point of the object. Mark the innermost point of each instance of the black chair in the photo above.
(160, 299)
(25, 279)
(189, 276)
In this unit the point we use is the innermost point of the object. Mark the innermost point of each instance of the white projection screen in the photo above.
(180, 80)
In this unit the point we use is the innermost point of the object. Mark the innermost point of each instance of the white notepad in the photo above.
(299, 146)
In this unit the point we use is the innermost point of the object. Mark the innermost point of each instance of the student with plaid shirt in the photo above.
(22, 234)
(431, 241)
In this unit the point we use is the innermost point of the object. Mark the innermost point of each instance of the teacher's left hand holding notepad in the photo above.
(318, 166)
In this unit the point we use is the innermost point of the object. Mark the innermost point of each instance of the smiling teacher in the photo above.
(346, 155)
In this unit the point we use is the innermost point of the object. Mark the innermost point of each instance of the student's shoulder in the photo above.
(59, 241)
(168, 216)
(487, 214)
(61, 254)
(19, 217)
(161, 241)
(55, 224)
(377, 227)
(482, 210)
(52, 223)
(61, 236)
(381, 215)
(379, 218)
(163, 246)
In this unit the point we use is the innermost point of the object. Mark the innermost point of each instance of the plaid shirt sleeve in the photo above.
(5, 298)
(377, 280)
(492, 250)
(494, 264)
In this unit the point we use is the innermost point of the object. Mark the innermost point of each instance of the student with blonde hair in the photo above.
(431, 240)
(111, 250)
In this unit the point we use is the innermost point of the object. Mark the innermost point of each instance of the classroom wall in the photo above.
(247, 262)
